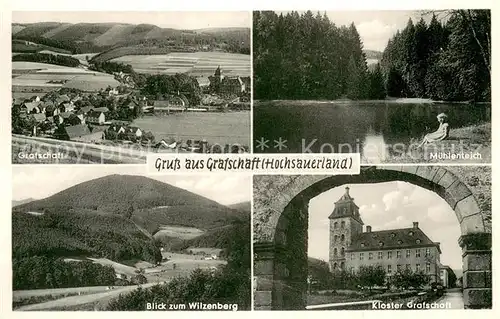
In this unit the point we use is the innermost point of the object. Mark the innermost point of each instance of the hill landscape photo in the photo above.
(134, 229)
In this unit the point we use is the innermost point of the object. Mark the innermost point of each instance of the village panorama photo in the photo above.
(112, 87)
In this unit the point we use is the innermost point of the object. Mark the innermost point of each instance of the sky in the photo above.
(375, 27)
(387, 206)
(172, 19)
(42, 181)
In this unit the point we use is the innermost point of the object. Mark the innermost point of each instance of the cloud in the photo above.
(375, 33)
(393, 200)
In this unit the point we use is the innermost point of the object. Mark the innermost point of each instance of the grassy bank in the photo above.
(465, 141)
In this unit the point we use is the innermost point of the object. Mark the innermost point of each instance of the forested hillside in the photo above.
(307, 56)
(442, 60)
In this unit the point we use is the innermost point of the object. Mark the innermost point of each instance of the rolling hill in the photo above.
(22, 201)
(115, 217)
(243, 206)
(98, 37)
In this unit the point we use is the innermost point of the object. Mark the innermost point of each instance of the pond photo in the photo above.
(395, 86)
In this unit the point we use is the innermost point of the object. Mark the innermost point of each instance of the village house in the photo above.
(117, 128)
(96, 117)
(38, 117)
(232, 85)
(84, 110)
(134, 130)
(31, 107)
(67, 107)
(62, 118)
(220, 84)
(62, 99)
(80, 133)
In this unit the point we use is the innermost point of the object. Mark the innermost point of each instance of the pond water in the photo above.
(221, 128)
(369, 128)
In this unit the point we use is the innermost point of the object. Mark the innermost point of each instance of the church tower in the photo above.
(345, 223)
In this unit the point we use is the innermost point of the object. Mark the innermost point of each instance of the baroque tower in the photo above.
(345, 223)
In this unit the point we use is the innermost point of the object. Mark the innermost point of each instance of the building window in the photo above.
(410, 233)
(334, 266)
(408, 266)
(342, 238)
(389, 255)
(370, 256)
(393, 235)
(381, 244)
(335, 225)
(417, 253)
(342, 265)
(342, 251)
(342, 225)
(408, 254)
(335, 238)
(418, 241)
(352, 270)
(398, 267)
(380, 255)
(352, 256)
(389, 269)
(398, 254)
(428, 267)
(361, 256)
(417, 267)
(362, 244)
(335, 252)
(427, 252)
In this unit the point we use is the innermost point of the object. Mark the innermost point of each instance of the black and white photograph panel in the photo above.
(394, 86)
(111, 87)
(390, 238)
(109, 239)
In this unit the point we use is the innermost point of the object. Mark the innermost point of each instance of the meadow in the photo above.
(179, 232)
(194, 63)
(33, 77)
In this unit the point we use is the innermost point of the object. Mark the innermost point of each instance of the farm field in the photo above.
(196, 63)
(29, 76)
(179, 232)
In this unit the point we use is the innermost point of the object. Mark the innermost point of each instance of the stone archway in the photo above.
(280, 220)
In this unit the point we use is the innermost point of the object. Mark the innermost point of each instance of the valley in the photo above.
(117, 232)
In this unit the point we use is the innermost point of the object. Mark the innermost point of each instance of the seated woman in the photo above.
(442, 132)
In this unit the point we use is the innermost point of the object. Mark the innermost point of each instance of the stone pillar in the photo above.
(280, 266)
(263, 272)
(476, 280)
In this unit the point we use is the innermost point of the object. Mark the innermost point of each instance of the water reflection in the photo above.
(374, 148)
(373, 128)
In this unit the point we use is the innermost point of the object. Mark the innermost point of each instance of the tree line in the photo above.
(42, 272)
(306, 56)
(447, 60)
(366, 276)
(57, 59)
